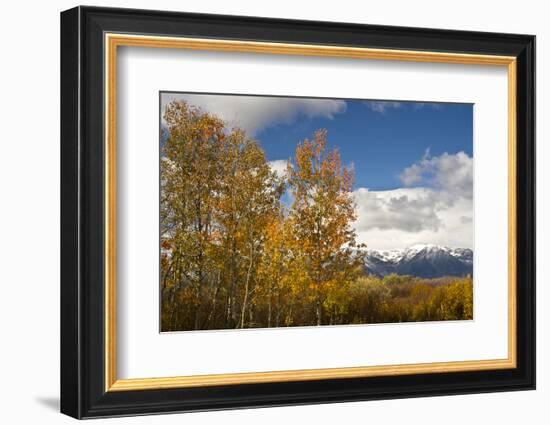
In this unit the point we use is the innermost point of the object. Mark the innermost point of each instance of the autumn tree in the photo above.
(277, 273)
(249, 198)
(321, 215)
(217, 195)
(190, 170)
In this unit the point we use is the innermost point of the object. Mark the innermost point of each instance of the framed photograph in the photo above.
(261, 212)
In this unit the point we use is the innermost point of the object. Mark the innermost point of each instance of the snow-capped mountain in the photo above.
(427, 261)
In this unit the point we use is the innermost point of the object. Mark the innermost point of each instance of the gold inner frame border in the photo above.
(113, 40)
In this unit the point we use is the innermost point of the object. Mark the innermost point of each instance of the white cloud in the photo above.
(403, 217)
(439, 211)
(382, 106)
(279, 166)
(254, 113)
(445, 172)
(408, 210)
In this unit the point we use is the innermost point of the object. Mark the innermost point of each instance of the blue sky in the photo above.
(379, 143)
(413, 161)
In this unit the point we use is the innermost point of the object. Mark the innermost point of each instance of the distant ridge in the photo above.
(428, 261)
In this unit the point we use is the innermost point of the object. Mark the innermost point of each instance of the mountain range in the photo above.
(428, 261)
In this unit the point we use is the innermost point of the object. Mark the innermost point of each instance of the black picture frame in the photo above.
(83, 392)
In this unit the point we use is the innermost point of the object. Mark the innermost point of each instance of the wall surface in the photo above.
(29, 225)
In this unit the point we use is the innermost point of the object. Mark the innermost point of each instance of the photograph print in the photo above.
(291, 211)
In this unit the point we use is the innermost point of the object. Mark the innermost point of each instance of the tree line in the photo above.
(233, 255)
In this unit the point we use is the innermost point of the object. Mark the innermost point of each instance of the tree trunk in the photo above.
(214, 303)
(288, 320)
(318, 312)
(269, 308)
(172, 309)
(278, 317)
(197, 306)
(246, 286)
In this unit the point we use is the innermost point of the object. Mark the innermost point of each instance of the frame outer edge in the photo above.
(71, 348)
(533, 126)
(529, 129)
(80, 370)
